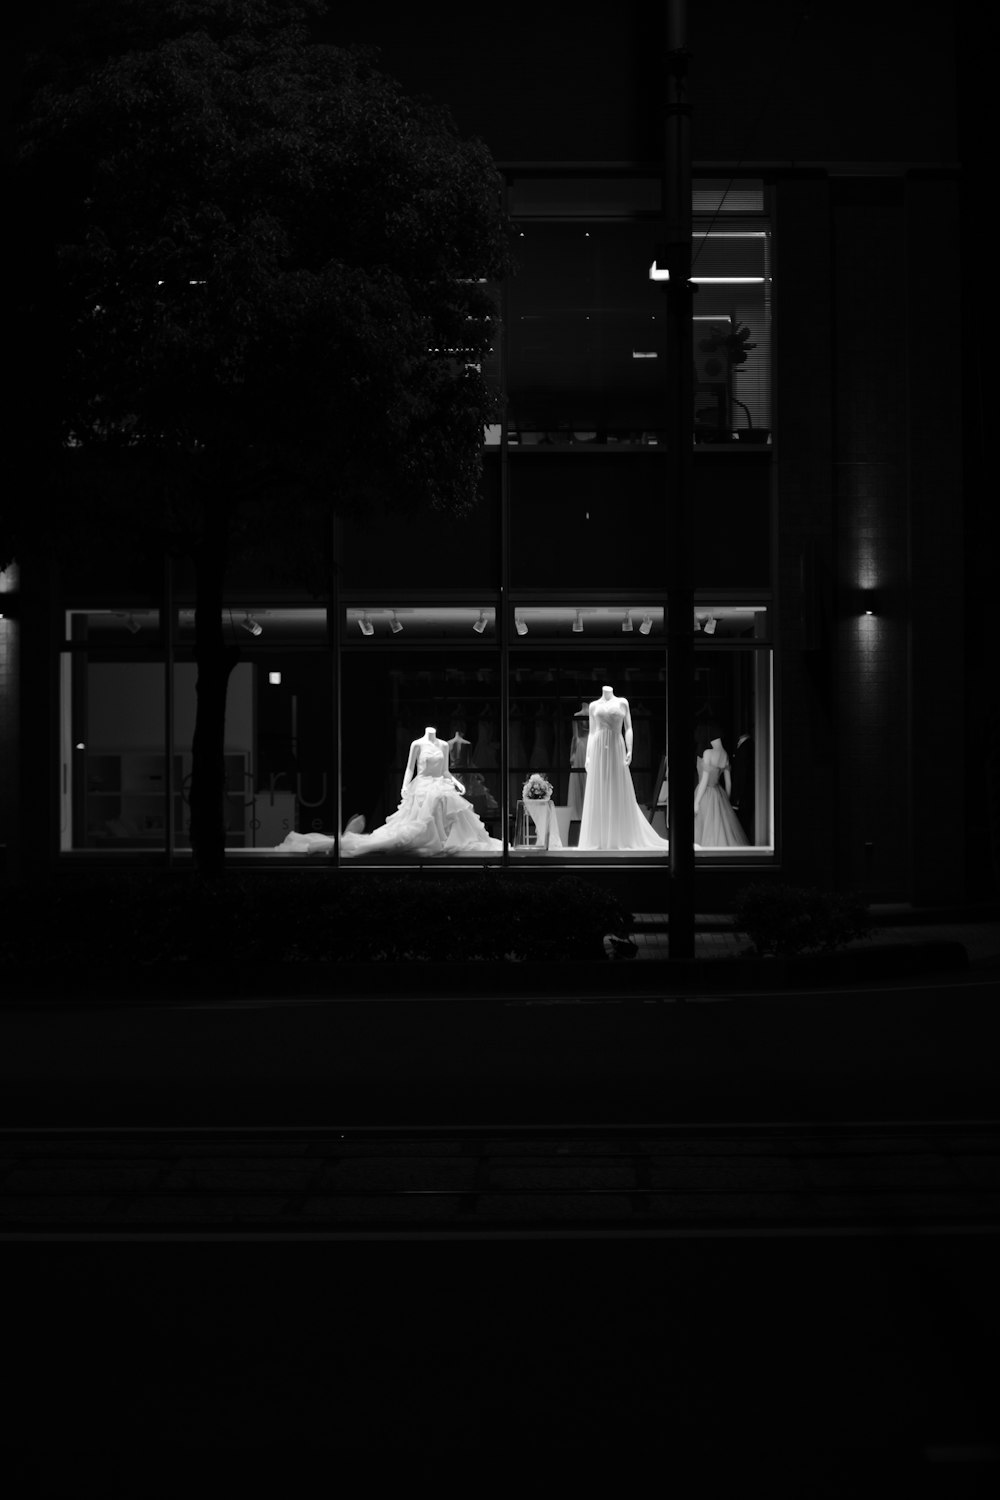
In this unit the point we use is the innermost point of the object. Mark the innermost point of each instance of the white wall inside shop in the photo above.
(125, 708)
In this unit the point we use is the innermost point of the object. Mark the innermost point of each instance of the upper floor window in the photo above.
(586, 354)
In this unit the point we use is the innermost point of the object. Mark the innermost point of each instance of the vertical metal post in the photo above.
(676, 255)
(334, 635)
(167, 624)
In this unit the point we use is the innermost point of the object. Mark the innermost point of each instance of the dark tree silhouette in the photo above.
(252, 292)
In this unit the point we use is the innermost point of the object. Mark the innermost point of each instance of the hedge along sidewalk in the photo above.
(467, 981)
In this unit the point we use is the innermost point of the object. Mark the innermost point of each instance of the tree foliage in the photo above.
(253, 288)
(247, 254)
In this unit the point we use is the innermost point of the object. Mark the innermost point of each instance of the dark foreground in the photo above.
(736, 1244)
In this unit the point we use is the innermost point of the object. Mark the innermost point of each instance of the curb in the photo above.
(122, 985)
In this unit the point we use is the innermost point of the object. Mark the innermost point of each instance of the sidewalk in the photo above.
(896, 924)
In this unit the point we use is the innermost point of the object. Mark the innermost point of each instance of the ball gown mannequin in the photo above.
(611, 816)
(716, 826)
(432, 818)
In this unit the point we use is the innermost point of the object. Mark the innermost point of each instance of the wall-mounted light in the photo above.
(395, 625)
(274, 678)
(521, 626)
(646, 625)
(710, 625)
(365, 625)
(627, 622)
(254, 626)
(578, 624)
(480, 624)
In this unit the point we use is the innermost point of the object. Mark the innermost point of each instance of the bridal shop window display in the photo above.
(732, 770)
(433, 816)
(563, 657)
(611, 818)
(420, 733)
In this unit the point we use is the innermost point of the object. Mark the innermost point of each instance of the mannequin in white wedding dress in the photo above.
(433, 816)
(611, 816)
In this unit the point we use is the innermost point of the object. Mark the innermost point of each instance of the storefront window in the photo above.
(733, 734)
(420, 736)
(551, 694)
(114, 792)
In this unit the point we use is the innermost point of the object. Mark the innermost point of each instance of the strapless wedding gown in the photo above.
(431, 819)
(611, 816)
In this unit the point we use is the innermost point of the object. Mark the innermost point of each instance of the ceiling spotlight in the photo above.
(480, 624)
(132, 625)
(520, 625)
(395, 625)
(251, 624)
(646, 625)
(578, 624)
(365, 625)
(627, 622)
(710, 625)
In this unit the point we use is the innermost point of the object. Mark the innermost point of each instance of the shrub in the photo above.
(788, 919)
(294, 916)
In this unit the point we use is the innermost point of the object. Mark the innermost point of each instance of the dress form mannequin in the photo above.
(433, 816)
(715, 824)
(608, 697)
(611, 816)
(459, 748)
(429, 756)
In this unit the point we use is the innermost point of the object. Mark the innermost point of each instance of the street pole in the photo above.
(676, 258)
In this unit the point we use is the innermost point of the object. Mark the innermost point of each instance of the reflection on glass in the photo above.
(114, 788)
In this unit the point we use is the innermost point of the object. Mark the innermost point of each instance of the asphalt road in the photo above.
(909, 1051)
(848, 1361)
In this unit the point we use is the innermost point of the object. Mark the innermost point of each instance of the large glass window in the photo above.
(420, 733)
(733, 714)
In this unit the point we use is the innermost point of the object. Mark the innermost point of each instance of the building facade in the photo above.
(829, 498)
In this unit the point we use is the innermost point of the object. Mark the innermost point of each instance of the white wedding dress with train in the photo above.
(612, 818)
(432, 818)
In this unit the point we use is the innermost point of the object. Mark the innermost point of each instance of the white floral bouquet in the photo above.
(537, 789)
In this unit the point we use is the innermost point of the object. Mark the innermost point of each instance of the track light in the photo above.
(710, 625)
(646, 625)
(395, 625)
(520, 625)
(578, 624)
(365, 625)
(480, 624)
(627, 622)
(251, 624)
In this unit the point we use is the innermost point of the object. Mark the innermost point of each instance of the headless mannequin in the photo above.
(458, 748)
(608, 696)
(713, 756)
(434, 767)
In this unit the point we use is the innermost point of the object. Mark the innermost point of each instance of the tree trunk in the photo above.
(215, 662)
